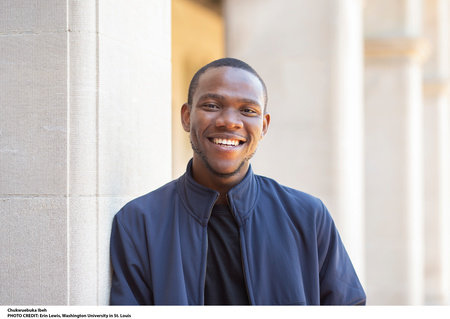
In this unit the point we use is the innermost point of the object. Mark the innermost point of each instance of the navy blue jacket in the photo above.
(291, 251)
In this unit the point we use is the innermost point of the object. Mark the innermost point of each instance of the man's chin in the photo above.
(221, 168)
(225, 172)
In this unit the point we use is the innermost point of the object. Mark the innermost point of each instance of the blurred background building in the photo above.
(90, 96)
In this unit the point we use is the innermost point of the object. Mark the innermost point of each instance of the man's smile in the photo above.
(226, 121)
(227, 142)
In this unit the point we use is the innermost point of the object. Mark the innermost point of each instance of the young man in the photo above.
(221, 234)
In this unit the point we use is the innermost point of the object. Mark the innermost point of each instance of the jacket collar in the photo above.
(199, 200)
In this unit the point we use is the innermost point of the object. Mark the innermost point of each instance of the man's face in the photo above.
(226, 120)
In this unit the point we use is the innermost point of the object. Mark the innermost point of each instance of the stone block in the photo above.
(83, 114)
(134, 122)
(137, 24)
(90, 230)
(33, 255)
(33, 124)
(83, 250)
(82, 16)
(25, 17)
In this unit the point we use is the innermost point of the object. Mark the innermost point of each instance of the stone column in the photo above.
(436, 147)
(33, 153)
(393, 151)
(310, 55)
(85, 127)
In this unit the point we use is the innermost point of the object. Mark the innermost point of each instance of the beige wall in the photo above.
(33, 166)
(85, 126)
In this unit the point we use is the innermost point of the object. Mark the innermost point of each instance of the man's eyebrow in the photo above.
(221, 98)
(211, 96)
(250, 101)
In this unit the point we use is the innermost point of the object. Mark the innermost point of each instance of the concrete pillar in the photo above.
(33, 155)
(436, 72)
(85, 127)
(393, 151)
(310, 55)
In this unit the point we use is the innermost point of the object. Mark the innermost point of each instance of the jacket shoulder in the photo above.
(287, 195)
(300, 207)
(149, 204)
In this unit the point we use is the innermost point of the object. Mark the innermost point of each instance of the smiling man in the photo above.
(221, 235)
(226, 117)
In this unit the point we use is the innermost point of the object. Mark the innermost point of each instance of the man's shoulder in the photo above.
(285, 193)
(296, 204)
(150, 202)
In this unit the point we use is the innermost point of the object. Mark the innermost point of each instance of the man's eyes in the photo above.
(249, 111)
(210, 106)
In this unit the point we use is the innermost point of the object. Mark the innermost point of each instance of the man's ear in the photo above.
(186, 117)
(266, 122)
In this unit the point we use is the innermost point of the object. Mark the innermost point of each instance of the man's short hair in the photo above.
(230, 62)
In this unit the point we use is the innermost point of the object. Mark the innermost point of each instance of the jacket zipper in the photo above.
(240, 247)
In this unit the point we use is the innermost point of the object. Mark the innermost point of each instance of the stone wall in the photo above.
(85, 126)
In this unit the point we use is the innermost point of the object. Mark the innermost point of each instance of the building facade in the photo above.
(90, 97)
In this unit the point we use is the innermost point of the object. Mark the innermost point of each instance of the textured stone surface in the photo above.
(34, 120)
(134, 122)
(90, 230)
(33, 141)
(32, 16)
(33, 255)
(120, 128)
(83, 250)
(85, 126)
(83, 89)
(138, 23)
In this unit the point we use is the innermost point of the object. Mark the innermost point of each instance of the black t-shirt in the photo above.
(225, 283)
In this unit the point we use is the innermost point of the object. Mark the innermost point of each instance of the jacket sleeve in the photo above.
(130, 270)
(339, 284)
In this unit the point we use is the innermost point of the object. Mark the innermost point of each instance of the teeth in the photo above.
(227, 142)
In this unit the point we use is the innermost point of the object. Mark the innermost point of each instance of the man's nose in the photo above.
(230, 119)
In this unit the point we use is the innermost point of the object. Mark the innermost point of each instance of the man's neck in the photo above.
(221, 184)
